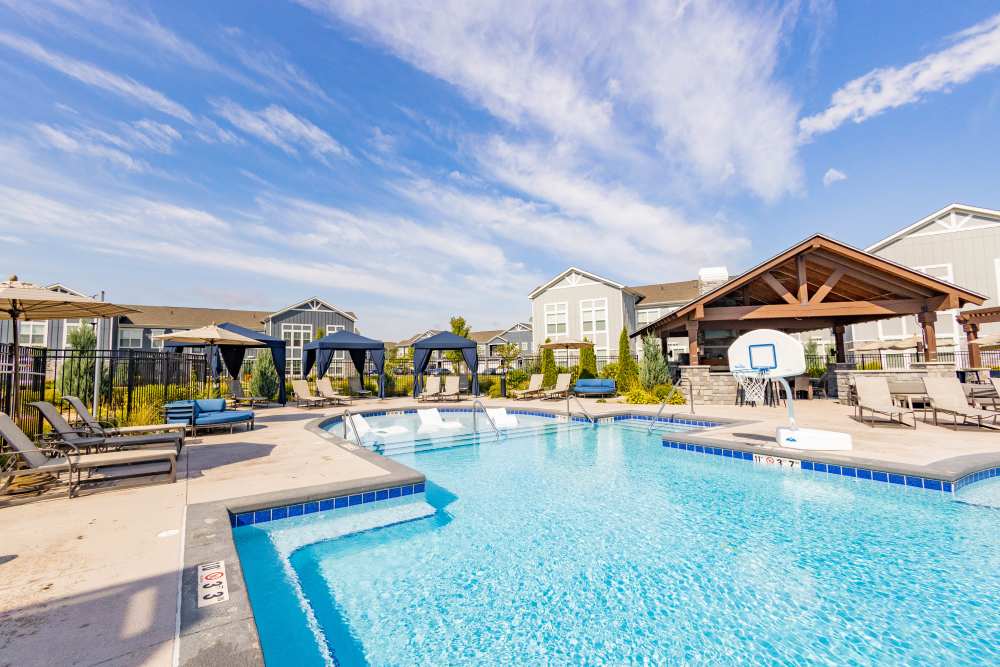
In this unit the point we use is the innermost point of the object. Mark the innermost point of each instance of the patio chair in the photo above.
(431, 389)
(363, 428)
(238, 397)
(354, 384)
(56, 460)
(501, 418)
(803, 385)
(327, 391)
(561, 389)
(996, 390)
(304, 396)
(106, 429)
(947, 396)
(874, 396)
(451, 390)
(84, 439)
(431, 422)
(534, 388)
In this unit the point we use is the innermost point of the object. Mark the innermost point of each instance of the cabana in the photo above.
(233, 355)
(320, 352)
(444, 341)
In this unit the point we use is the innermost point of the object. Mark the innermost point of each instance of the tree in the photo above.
(77, 378)
(628, 372)
(509, 352)
(459, 328)
(548, 367)
(588, 363)
(653, 369)
(320, 332)
(264, 380)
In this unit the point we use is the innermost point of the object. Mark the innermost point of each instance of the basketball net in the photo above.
(754, 384)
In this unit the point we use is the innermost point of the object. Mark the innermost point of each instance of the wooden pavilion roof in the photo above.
(818, 283)
(979, 316)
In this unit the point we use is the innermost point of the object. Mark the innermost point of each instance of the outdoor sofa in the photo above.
(595, 387)
(207, 413)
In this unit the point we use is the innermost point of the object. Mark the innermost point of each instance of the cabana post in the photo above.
(320, 353)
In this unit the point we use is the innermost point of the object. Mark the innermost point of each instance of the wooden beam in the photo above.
(971, 332)
(870, 277)
(838, 337)
(827, 286)
(809, 311)
(927, 318)
(779, 289)
(800, 266)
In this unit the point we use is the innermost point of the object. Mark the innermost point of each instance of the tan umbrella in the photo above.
(989, 340)
(26, 301)
(875, 345)
(210, 335)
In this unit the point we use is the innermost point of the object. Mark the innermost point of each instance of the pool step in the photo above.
(488, 437)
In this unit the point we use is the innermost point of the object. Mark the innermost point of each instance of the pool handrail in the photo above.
(576, 398)
(663, 404)
(344, 417)
(475, 423)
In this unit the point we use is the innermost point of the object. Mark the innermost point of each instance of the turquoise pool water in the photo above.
(600, 546)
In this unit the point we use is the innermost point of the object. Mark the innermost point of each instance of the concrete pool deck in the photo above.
(94, 580)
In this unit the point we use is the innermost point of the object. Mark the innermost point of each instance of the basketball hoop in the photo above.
(754, 385)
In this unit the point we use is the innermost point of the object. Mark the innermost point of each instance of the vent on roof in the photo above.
(711, 277)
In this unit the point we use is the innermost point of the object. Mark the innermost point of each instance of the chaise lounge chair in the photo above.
(946, 395)
(84, 439)
(354, 384)
(874, 396)
(561, 390)
(431, 422)
(239, 398)
(55, 460)
(304, 396)
(363, 428)
(533, 390)
(501, 419)
(327, 391)
(431, 389)
(452, 390)
(106, 429)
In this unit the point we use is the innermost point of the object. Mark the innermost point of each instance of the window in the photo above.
(556, 319)
(157, 343)
(295, 336)
(69, 326)
(646, 315)
(594, 323)
(32, 334)
(130, 339)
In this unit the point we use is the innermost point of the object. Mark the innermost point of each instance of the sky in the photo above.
(414, 161)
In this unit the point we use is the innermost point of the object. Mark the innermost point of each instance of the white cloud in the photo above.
(972, 52)
(273, 67)
(95, 76)
(832, 176)
(80, 146)
(280, 127)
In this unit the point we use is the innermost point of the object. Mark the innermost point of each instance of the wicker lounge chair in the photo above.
(431, 389)
(85, 439)
(304, 396)
(57, 460)
(354, 384)
(874, 396)
(561, 389)
(326, 390)
(534, 388)
(947, 396)
(238, 397)
(106, 429)
(452, 390)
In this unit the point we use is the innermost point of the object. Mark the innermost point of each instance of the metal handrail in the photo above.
(582, 408)
(663, 404)
(475, 423)
(346, 414)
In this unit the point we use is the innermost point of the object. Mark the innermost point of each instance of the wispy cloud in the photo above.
(832, 176)
(274, 68)
(280, 127)
(81, 146)
(972, 52)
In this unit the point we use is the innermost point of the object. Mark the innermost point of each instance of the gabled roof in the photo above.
(314, 303)
(59, 287)
(950, 208)
(485, 336)
(407, 342)
(667, 293)
(586, 274)
(177, 317)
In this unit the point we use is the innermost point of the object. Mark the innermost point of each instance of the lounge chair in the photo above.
(996, 390)
(561, 390)
(452, 390)
(354, 384)
(38, 460)
(431, 422)
(534, 388)
(84, 439)
(431, 389)
(501, 419)
(106, 429)
(363, 428)
(802, 385)
(327, 391)
(874, 396)
(239, 398)
(304, 396)
(947, 396)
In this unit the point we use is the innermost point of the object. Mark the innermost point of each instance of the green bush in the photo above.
(517, 376)
(264, 380)
(653, 368)
(609, 372)
(628, 371)
(588, 363)
(487, 382)
(871, 366)
(494, 390)
(666, 392)
(548, 368)
(639, 396)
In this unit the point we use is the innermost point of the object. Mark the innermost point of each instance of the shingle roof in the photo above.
(485, 336)
(678, 292)
(177, 317)
(415, 337)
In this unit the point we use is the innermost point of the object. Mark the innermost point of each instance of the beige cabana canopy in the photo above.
(210, 335)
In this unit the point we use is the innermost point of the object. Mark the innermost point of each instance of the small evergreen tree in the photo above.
(588, 363)
(549, 371)
(264, 380)
(459, 328)
(77, 376)
(653, 369)
(628, 372)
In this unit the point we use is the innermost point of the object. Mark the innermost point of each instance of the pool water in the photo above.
(600, 546)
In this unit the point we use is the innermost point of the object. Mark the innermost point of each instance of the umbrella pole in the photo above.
(14, 364)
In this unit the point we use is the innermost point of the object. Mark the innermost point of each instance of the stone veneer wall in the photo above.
(709, 388)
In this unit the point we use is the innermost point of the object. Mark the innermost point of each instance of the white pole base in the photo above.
(812, 438)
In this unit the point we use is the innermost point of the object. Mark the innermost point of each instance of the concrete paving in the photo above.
(93, 580)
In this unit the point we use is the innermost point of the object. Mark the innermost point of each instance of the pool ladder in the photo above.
(475, 424)
(663, 404)
(344, 417)
(583, 409)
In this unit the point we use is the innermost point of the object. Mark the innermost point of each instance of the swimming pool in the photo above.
(598, 545)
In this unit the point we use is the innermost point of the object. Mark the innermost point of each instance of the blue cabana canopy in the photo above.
(444, 341)
(320, 352)
(233, 355)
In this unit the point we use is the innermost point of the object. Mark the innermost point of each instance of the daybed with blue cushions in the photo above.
(206, 413)
(595, 387)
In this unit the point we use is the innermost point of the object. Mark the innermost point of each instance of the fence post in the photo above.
(130, 369)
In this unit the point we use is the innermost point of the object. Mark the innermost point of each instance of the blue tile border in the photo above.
(914, 481)
(324, 505)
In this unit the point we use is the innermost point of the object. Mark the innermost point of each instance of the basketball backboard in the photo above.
(767, 352)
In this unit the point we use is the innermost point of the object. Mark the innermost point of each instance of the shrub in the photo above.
(517, 376)
(588, 363)
(639, 396)
(628, 371)
(77, 375)
(486, 384)
(548, 367)
(871, 366)
(494, 390)
(264, 376)
(610, 371)
(666, 392)
(653, 368)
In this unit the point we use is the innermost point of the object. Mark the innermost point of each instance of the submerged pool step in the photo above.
(486, 437)
(658, 427)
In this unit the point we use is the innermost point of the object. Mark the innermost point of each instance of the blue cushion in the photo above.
(223, 417)
(595, 386)
(210, 405)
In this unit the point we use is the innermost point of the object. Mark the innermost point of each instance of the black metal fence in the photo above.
(130, 386)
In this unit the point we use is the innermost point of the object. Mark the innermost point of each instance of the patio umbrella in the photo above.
(566, 345)
(26, 301)
(989, 340)
(910, 343)
(211, 335)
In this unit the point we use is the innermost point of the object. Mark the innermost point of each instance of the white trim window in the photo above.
(157, 343)
(946, 326)
(295, 336)
(129, 338)
(556, 319)
(644, 316)
(32, 334)
(338, 355)
(594, 323)
(69, 326)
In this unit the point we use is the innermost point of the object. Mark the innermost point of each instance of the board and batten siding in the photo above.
(328, 320)
(572, 294)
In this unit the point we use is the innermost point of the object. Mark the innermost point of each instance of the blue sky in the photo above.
(444, 158)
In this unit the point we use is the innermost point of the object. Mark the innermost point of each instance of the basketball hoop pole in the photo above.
(791, 401)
